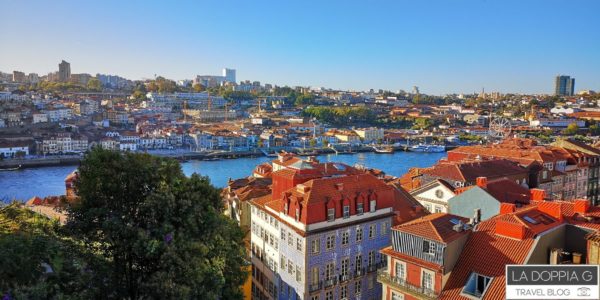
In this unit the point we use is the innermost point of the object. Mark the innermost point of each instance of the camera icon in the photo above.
(583, 292)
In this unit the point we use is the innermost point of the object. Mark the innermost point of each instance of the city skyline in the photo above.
(442, 48)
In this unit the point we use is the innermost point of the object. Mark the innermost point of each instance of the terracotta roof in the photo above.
(437, 227)
(469, 171)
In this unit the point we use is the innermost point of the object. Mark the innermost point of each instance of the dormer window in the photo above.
(330, 214)
(285, 207)
(346, 211)
(359, 208)
(428, 247)
(297, 214)
(372, 205)
(476, 285)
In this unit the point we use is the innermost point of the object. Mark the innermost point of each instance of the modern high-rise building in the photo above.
(64, 71)
(564, 85)
(229, 75)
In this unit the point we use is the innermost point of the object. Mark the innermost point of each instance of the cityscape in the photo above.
(242, 185)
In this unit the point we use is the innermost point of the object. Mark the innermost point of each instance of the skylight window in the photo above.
(530, 220)
(476, 285)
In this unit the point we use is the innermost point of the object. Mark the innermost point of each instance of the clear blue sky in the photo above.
(442, 46)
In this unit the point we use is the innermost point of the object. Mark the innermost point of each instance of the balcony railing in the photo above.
(328, 282)
(344, 278)
(315, 286)
(419, 292)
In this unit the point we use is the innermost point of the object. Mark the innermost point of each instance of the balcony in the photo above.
(329, 282)
(404, 286)
(344, 278)
(315, 286)
(359, 272)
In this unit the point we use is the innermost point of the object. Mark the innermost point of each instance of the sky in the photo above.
(445, 46)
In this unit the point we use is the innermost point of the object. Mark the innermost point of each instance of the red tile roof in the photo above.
(436, 227)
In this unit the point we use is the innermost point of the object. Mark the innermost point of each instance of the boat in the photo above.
(11, 169)
(384, 150)
(427, 148)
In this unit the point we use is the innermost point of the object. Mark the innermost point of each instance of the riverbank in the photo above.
(71, 160)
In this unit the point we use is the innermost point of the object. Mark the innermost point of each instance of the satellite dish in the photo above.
(500, 128)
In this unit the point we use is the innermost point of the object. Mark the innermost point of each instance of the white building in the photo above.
(556, 122)
(40, 118)
(10, 149)
(369, 135)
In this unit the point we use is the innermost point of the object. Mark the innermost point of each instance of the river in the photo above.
(46, 181)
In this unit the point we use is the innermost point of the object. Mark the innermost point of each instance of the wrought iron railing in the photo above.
(400, 283)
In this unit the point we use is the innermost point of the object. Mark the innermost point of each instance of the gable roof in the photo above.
(437, 227)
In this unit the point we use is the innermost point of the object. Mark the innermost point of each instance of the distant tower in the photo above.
(415, 90)
(564, 85)
(64, 71)
(229, 75)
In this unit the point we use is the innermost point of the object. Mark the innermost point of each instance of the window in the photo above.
(384, 227)
(371, 260)
(438, 209)
(372, 205)
(299, 244)
(357, 287)
(314, 275)
(297, 214)
(476, 285)
(358, 263)
(315, 245)
(428, 247)
(282, 265)
(290, 239)
(329, 271)
(282, 234)
(329, 295)
(371, 231)
(359, 209)
(346, 211)
(428, 207)
(345, 266)
(298, 274)
(359, 234)
(316, 297)
(345, 238)
(290, 267)
(400, 270)
(427, 280)
(397, 296)
(330, 214)
(330, 242)
(344, 292)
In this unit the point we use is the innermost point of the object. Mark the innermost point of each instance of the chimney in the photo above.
(482, 182)
(582, 206)
(554, 209)
(477, 216)
(507, 208)
(537, 195)
(509, 229)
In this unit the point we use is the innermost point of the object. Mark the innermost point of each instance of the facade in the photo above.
(589, 156)
(229, 75)
(13, 149)
(422, 255)
(434, 195)
(64, 71)
(564, 85)
(370, 135)
(317, 235)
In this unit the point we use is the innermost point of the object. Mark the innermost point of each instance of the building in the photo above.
(64, 71)
(588, 155)
(229, 75)
(317, 235)
(564, 85)
(443, 256)
(18, 77)
(370, 135)
(422, 255)
(11, 149)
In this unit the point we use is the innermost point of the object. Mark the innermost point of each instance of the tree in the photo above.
(571, 129)
(312, 143)
(94, 85)
(162, 232)
(198, 88)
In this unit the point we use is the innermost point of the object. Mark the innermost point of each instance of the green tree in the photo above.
(198, 88)
(94, 84)
(163, 233)
(571, 129)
